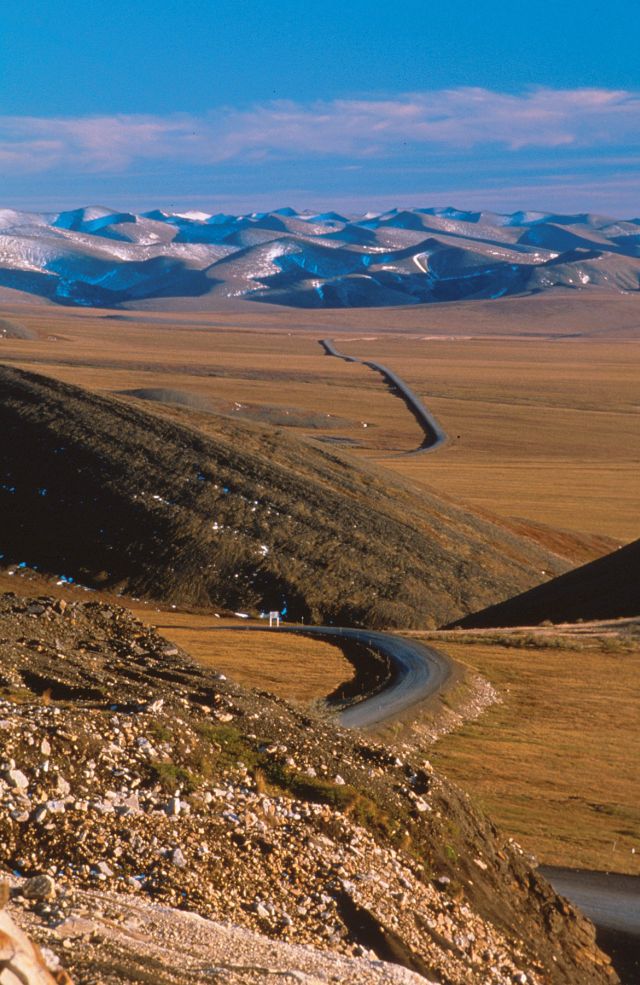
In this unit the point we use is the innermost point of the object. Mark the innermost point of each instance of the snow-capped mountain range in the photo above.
(97, 257)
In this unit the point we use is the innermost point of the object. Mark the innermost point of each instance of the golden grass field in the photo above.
(555, 764)
(547, 421)
(544, 430)
(268, 661)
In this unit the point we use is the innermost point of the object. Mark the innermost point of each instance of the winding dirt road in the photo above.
(418, 672)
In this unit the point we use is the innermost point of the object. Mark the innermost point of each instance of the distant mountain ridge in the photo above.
(104, 258)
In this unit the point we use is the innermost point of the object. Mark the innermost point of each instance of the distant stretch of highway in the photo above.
(434, 436)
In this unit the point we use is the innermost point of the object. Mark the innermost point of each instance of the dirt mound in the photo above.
(278, 415)
(174, 786)
(608, 588)
(10, 329)
(169, 395)
(248, 519)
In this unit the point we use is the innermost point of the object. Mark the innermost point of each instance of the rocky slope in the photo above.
(607, 588)
(128, 769)
(99, 490)
(93, 256)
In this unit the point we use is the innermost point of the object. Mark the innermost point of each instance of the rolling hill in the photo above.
(101, 258)
(100, 490)
(607, 588)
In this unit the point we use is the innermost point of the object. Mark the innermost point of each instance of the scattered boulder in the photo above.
(40, 887)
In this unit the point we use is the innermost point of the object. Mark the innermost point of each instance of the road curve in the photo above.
(418, 671)
(434, 436)
(612, 902)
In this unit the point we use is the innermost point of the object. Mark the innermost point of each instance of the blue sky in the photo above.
(243, 104)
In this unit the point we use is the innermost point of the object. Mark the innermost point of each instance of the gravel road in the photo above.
(612, 902)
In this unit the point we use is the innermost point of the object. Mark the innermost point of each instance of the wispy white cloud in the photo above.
(355, 129)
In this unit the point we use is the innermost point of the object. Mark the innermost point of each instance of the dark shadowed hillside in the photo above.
(99, 490)
(608, 588)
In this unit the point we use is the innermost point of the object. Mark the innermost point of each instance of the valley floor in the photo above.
(554, 760)
(538, 398)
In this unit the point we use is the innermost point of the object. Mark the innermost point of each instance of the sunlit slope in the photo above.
(246, 518)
